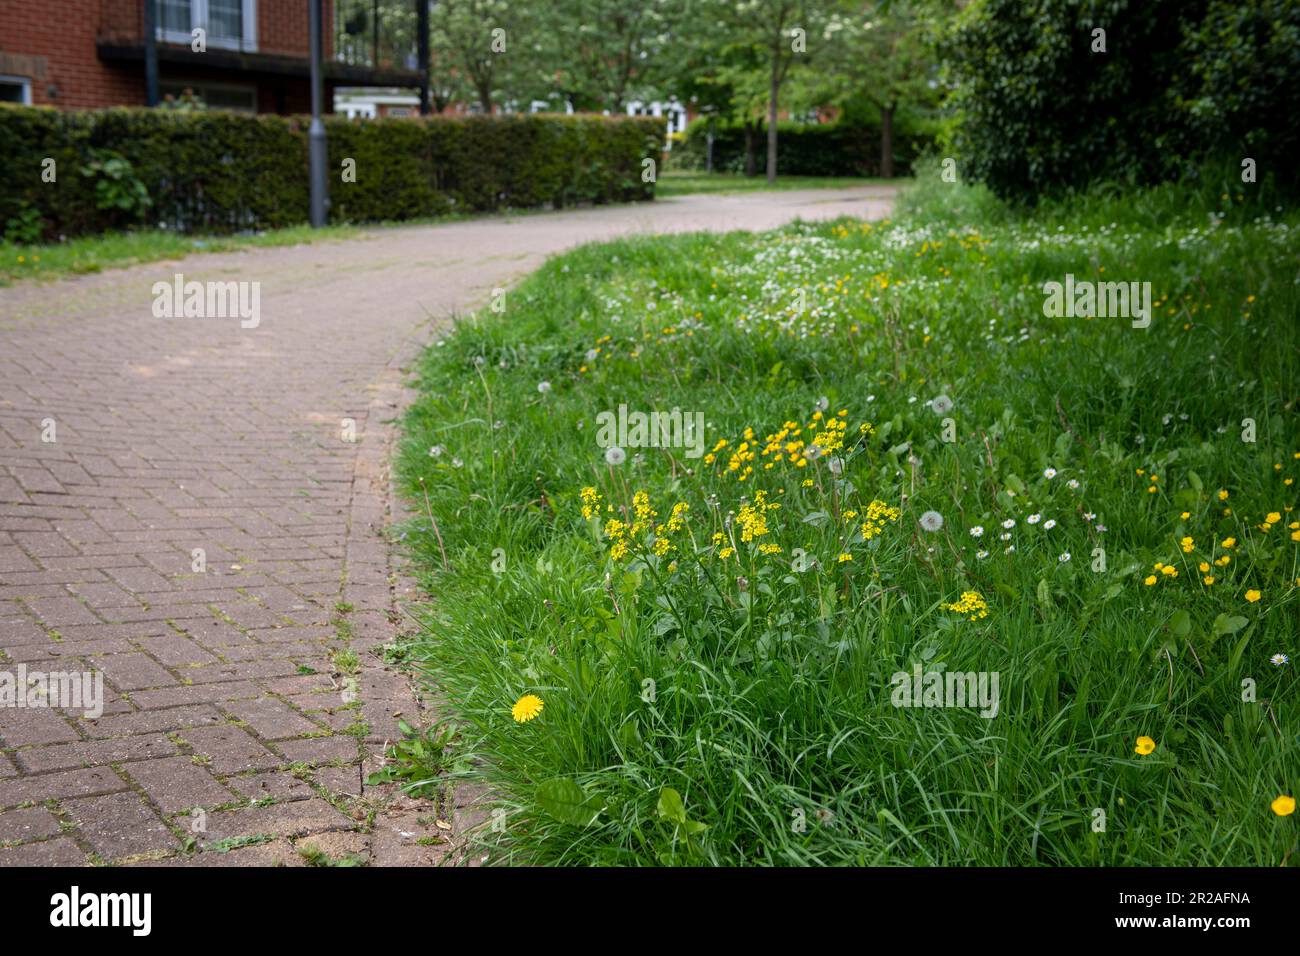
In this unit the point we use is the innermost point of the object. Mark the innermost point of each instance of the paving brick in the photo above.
(120, 825)
(177, 783)
(281, 819)
(48, 853)
(63, 785)
(19, 826)
(96, 753)
(270, 718)
(314, 750)
(134, 671)
(230, 749)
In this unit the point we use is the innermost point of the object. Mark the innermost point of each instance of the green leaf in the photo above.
(1223, 624)
(1180, 625)
(671, 806)
(567, 802)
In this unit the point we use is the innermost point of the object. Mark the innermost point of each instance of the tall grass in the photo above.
(756, 687)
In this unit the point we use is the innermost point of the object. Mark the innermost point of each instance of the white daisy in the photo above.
(981, 555)
(977, 531)
(1034, 518)
(1049, 472)
(1279, 660)
(1009, 523)
(1072, 484)
(1064, 558)
(1049, 524)
(1005, 536)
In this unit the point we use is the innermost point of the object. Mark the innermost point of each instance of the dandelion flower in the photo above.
(942, 405)
(543, 387)
(615, 455)
(931, 521)
(1149, 580)
(1145, 745)
(1283, 806)
(526, 708)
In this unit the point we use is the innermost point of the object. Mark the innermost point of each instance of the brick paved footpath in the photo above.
(222, 688)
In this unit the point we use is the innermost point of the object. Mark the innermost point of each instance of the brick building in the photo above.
(89, 54)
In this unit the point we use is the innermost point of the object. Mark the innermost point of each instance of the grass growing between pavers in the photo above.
(906, 467)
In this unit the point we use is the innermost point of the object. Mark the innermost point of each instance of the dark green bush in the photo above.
(802, 149)
(227, 172)
(1181, 83)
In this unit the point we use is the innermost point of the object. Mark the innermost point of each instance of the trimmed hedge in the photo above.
(802, 149)
(225, 172)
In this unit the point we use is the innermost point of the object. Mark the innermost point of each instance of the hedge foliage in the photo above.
(225, 172)
(802, 149)
(1182, 84)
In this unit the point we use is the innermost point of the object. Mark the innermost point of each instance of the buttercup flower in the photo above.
(1252, 596)
(1283, 806)
(1145, 745)
(526, 708)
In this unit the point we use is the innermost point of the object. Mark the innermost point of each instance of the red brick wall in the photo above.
(59, 37)
(63, 33)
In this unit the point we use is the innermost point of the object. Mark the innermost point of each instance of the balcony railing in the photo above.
(380, 34)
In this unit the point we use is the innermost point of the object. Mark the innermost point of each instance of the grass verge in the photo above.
(655, 657)
(686, 182)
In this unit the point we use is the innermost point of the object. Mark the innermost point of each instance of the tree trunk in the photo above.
(751, 148)
(773, 91)
(887, 142)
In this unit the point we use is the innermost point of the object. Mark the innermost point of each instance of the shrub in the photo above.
(226, 172)
(803, 149)
(1180, 82)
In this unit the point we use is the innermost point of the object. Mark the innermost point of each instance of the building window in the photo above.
(230, 24)
(220, 96)
(15, 89)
